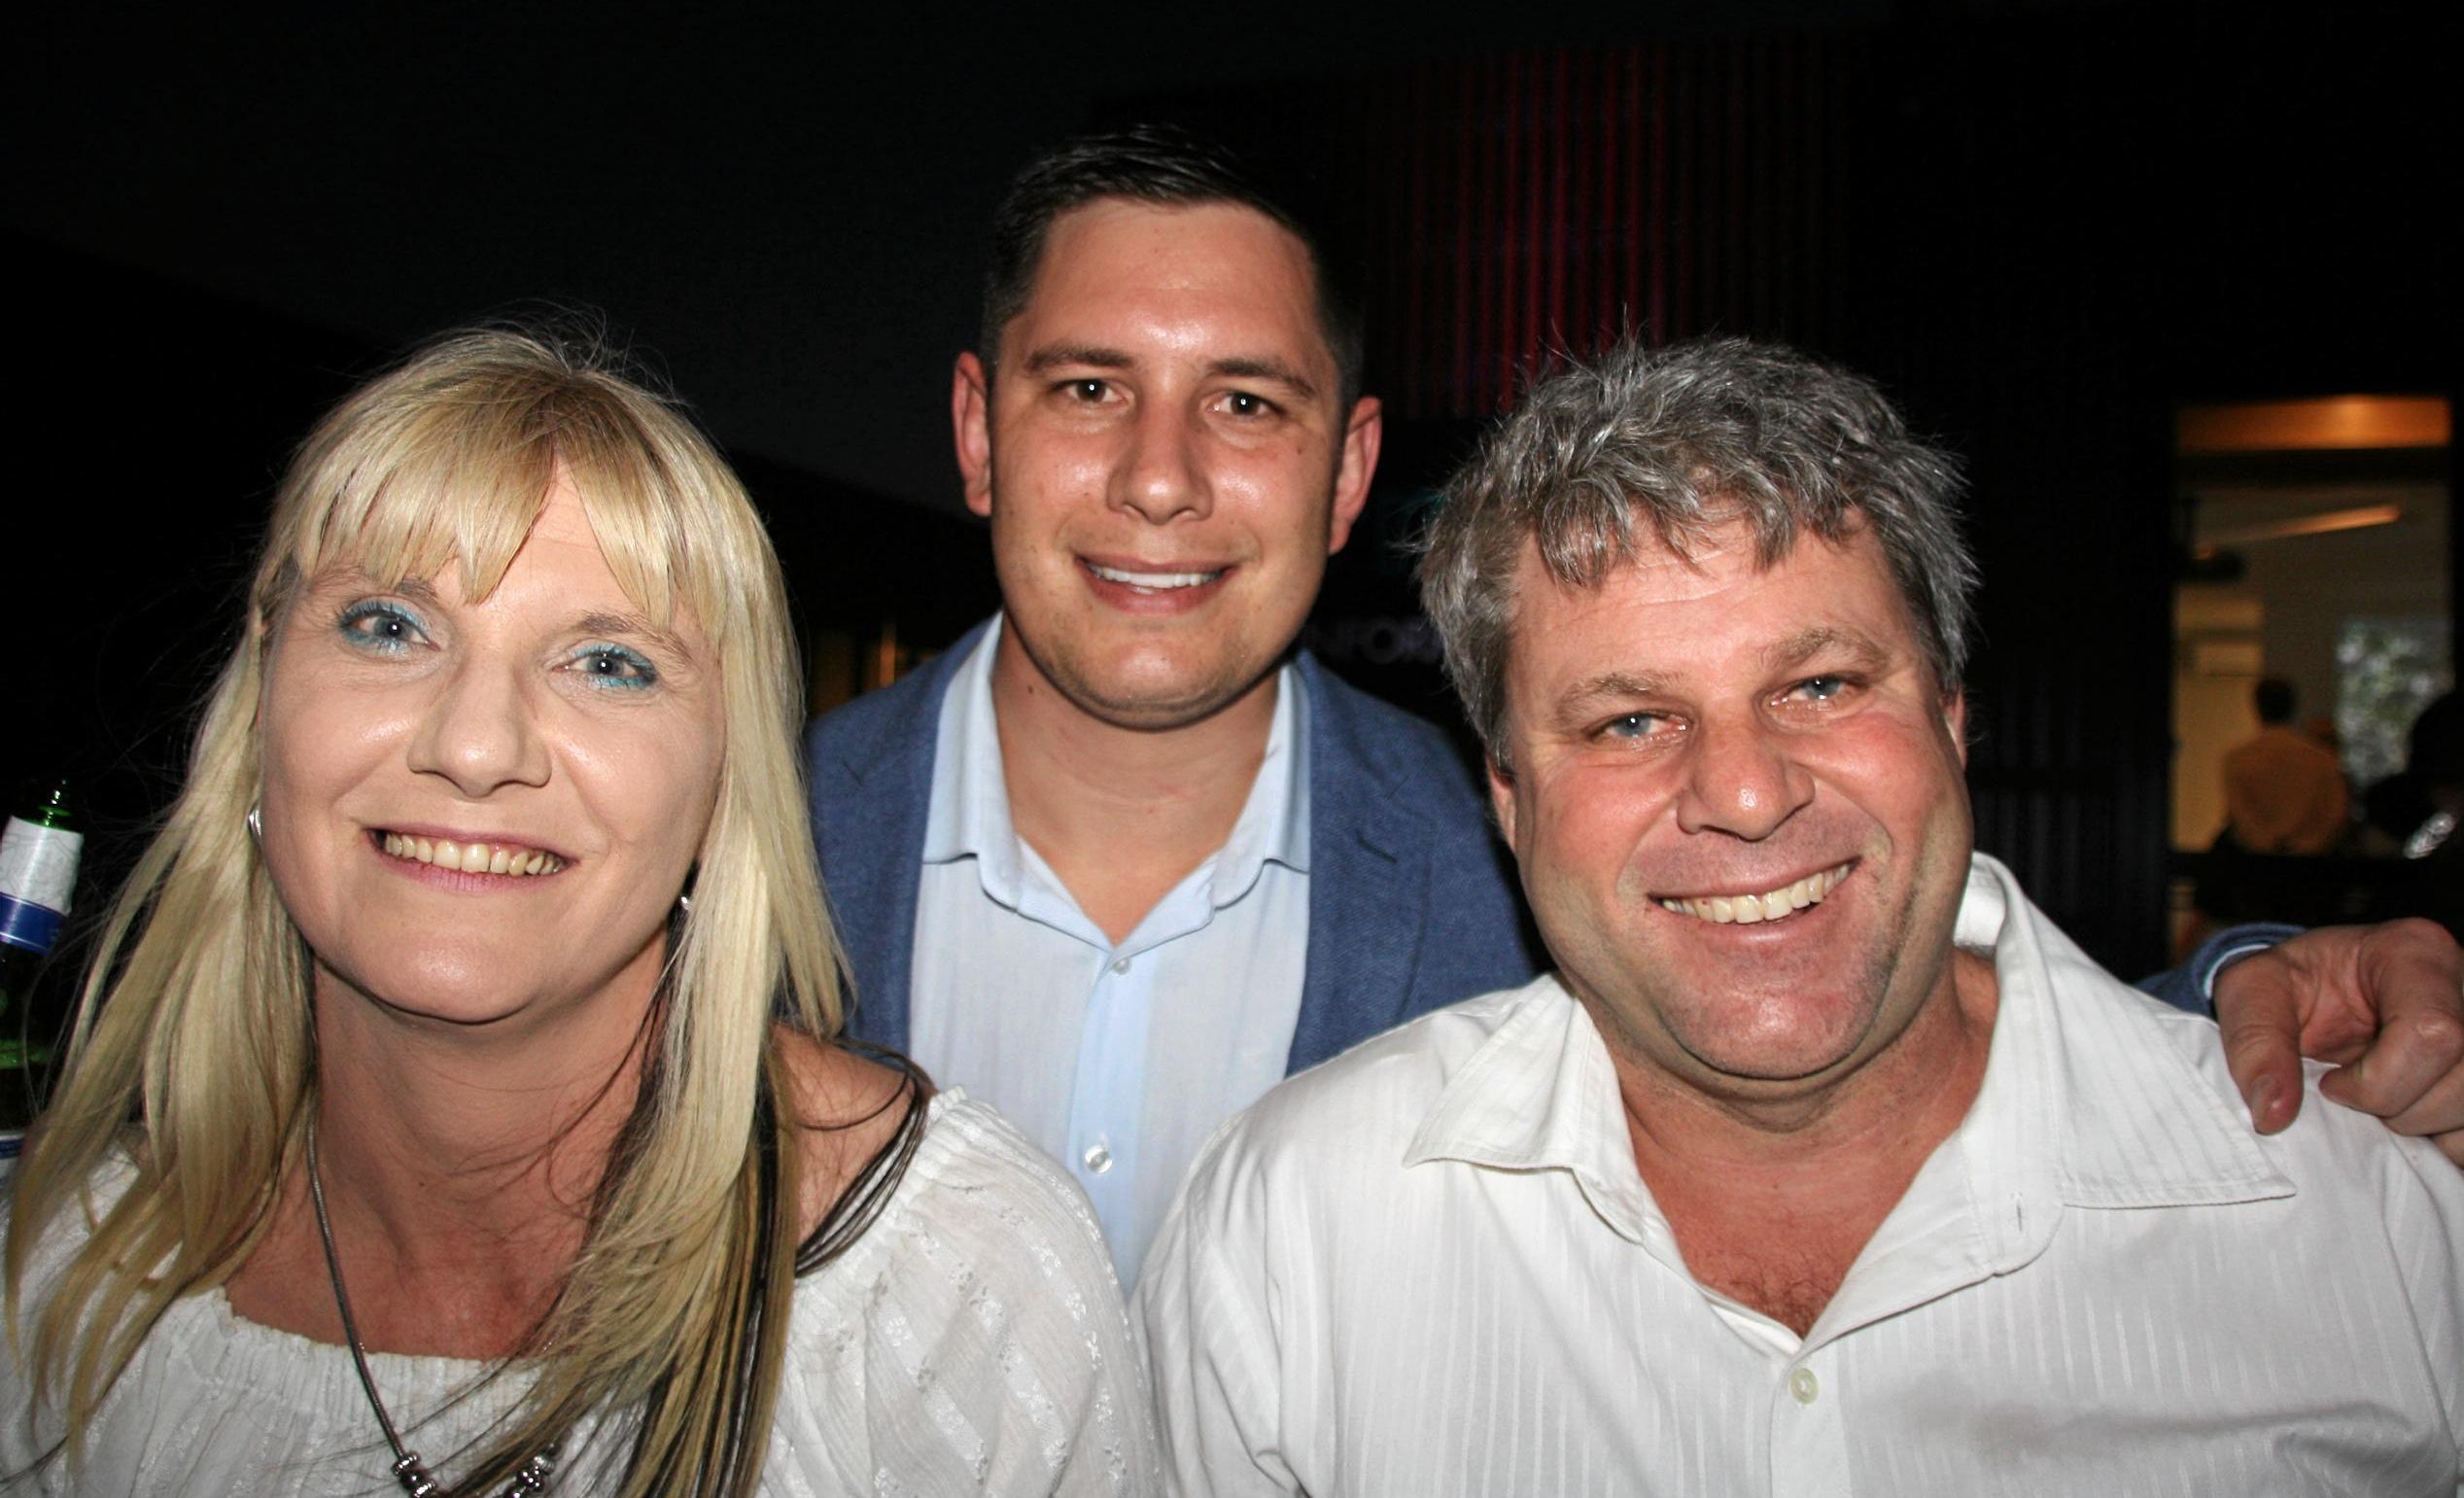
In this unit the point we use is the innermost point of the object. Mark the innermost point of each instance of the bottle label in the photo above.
(24, 923)
(39, 864)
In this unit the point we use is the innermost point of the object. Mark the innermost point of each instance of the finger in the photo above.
(2413, 967)
(2260, 1032)
(2437, 1110)
(2409, 1065)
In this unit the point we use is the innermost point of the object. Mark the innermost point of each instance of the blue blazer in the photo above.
(1411, 903)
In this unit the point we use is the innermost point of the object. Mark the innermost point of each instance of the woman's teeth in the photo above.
(471, 857)
(1747, 909)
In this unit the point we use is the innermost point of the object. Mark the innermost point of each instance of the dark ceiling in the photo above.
(785, 206)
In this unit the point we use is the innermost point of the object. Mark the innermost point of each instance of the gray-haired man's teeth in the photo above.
(1771, 905)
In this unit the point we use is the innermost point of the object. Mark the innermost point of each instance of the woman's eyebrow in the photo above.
(635, 624)
(353, 578)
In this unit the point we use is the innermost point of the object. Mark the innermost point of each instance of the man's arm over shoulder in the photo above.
(2381, 1002)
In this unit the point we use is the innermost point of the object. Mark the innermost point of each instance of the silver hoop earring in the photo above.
(256, 826)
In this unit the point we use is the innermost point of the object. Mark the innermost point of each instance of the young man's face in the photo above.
(1739, 806)
(1166, 457)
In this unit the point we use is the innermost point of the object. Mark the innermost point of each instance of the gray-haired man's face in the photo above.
(1740, 808)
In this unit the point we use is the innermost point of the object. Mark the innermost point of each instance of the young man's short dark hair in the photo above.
(1147, 163)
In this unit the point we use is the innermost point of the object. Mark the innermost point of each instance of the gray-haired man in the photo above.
(1824, 1162)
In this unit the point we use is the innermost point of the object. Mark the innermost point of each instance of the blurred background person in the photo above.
(2284, 791)
(2412, 813)
(2286, 807)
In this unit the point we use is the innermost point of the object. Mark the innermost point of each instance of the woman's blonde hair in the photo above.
(194, 1054)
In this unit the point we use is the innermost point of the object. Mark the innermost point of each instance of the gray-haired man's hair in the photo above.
(1665, 446)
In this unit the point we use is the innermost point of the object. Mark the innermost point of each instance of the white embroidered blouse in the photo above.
(972, 1341)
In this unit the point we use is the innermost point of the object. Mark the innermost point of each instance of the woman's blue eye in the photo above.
(385, 628)
(614, 666)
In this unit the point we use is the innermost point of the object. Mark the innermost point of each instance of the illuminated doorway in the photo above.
(2318, 542)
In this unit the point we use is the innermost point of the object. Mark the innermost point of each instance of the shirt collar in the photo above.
(1540, 1093)
(969, 816)
(2083, 1104)
(2103, 1100)
(1274, 821)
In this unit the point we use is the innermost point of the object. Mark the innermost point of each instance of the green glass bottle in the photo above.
(38, 872)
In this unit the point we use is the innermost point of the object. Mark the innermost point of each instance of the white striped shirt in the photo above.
(1431, 1267)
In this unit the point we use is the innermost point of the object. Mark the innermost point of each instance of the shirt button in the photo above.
(1099, 1160)
(1121, 966)
(1804, 1385)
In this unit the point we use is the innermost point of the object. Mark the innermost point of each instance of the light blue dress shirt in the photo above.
(1119, 1060)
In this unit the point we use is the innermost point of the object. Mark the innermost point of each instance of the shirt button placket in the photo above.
(1097, 1157)
(1104, 1098)
(1809, 1441)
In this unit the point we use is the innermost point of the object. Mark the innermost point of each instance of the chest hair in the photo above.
(1790, 1285)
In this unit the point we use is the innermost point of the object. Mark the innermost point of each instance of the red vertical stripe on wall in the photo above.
(1636, 309)
(1458, 333)
(1558, 267)
(1656, 206)
(1410, 387)
(1522, 210)
(1559, 198)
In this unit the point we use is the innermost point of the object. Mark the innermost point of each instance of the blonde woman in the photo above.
(455, 1096)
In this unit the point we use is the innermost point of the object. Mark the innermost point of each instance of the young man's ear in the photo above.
(971, 430)
(1364, 431)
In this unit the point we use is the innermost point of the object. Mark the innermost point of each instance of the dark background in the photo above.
(2042, 226)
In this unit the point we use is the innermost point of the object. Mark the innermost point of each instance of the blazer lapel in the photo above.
(1368, 881)
(872, 797)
